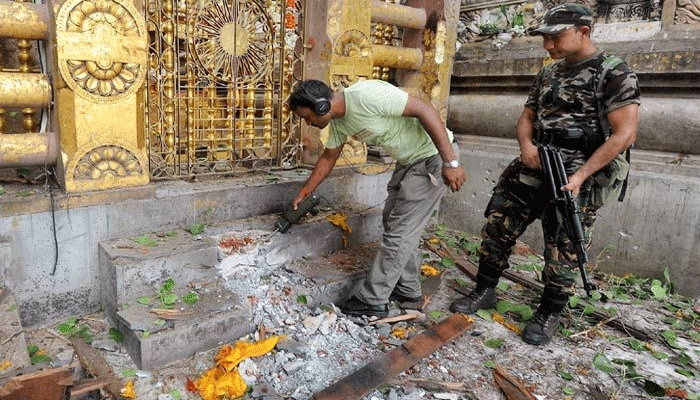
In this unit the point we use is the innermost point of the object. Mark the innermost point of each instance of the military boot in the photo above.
(482, 297)
(541, 328)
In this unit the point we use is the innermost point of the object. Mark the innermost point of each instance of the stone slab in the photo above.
(154, 340)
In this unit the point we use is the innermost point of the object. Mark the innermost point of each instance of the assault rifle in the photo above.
(555, 175)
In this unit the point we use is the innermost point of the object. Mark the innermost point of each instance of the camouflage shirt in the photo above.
(563, 98)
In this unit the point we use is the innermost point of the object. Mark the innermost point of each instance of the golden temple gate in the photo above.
(219, 72)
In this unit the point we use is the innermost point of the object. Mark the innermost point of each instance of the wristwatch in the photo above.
(452, 164)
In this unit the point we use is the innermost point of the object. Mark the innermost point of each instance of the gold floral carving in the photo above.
(109, 160)
(233, 41)
(101, 48)
(353, 43)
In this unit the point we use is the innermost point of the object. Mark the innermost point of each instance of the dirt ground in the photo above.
(588, 359)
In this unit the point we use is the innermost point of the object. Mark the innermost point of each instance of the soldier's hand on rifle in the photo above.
(575, 182)
(529, 156)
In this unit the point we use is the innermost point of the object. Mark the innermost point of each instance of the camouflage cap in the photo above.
(562, 17)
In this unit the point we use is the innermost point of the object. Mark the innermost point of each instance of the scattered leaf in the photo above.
(145, 300)
(490, 364)
(602, 363)
(116, 335)
(484, 314)
(435, 314)
(128, 373)
(196, 229)
(494, 343)
(145, 241)
(191, 298)
(301, 299)
(566, 375)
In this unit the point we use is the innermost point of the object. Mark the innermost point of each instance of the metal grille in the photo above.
(219, 74)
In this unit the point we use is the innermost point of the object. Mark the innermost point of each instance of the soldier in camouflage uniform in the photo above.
(561, 109)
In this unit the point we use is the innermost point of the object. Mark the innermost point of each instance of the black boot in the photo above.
(482, 297)
(545, 323)
(542, 327)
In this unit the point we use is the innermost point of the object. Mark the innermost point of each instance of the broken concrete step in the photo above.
(14, 343)
(155, 335)
(129, 269)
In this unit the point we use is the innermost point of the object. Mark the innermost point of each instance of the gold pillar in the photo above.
(101, 53)
(23, 20)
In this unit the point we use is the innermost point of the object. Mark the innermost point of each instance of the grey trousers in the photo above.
(414, 195)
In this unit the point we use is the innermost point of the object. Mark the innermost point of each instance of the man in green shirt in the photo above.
(412, 132)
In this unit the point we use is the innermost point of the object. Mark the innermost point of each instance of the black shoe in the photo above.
(477, 299)
(356, 307)
(405, 299)
(541, 328)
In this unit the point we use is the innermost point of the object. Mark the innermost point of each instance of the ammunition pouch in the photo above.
(608, 182)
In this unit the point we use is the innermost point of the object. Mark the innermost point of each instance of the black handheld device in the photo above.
(292, 216)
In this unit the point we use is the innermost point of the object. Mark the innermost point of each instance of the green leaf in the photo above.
(566, 375)
(116, 335)
(494, 343)
(2, 190)
(670, 337)
(588, 309)
(175, 394)
(145, 240)
(270, 177)
(573, 301)
(653, 389)
(660, 356)
(447, 262)
(171, 234)
(596, 296)
(685, 372)
(602, 363)
(159, 322)
(490, 364)
(40, 358)
(435, 314)
(167, 286)
(657, 290)
(13, 307)
(145, 334)
(25, 193)
(484, 314)
(191, 298)
(196, 229)
(32, 349)
(145, 300)
(567, 390)
(301, 299)
(637, 345)
(169, 299)
(502, 285)
(128, 373)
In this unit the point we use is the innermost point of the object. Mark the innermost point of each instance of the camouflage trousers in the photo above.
(519, 198)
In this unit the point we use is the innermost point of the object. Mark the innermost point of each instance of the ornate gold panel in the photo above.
(220, 72)
(101, 48)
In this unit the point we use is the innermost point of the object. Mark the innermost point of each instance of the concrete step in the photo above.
(208, 264)
(14, 343)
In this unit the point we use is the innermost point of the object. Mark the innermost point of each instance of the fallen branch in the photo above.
(398, 318)
(511, 386)
(470, 269)
(11, 337)
(432, 385)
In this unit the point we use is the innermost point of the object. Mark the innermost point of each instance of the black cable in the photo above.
(53, 221)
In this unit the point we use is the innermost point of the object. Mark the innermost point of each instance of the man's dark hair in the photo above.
(312, 87)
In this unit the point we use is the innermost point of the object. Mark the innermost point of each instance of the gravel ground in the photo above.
(320, 346)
